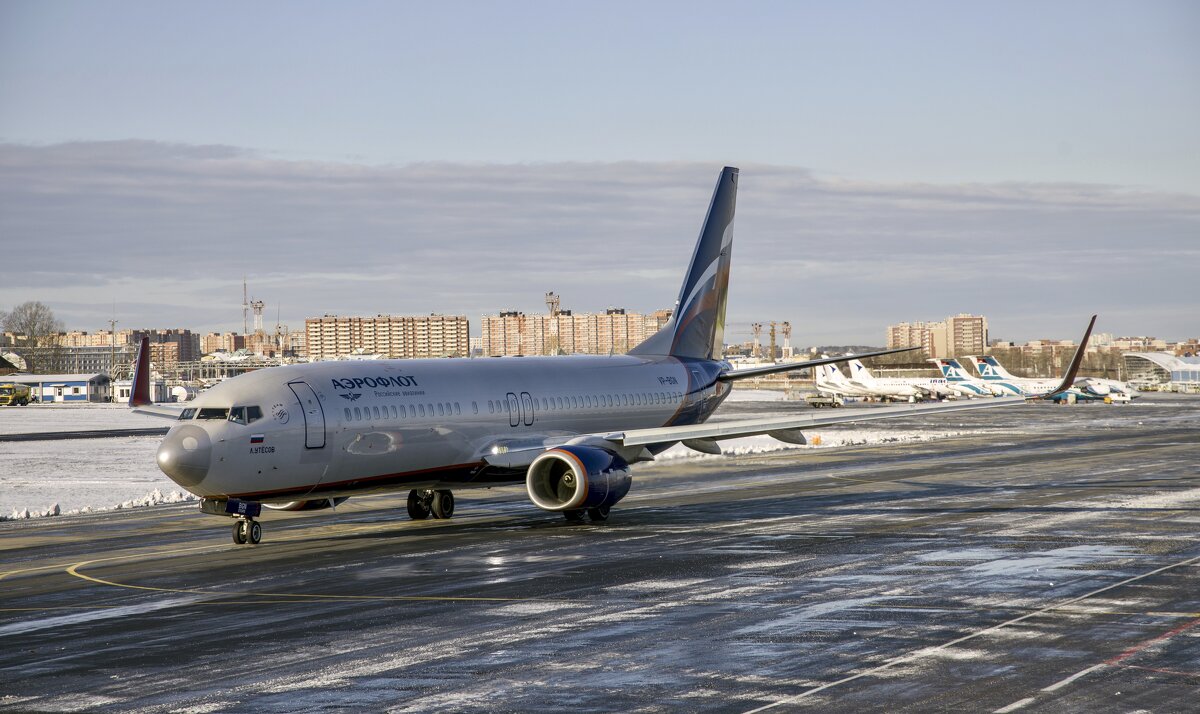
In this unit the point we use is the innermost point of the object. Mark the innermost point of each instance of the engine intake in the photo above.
(573, 477)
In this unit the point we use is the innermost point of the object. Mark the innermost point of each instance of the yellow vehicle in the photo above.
(11, 394)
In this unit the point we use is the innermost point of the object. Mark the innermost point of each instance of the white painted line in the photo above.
(1060, 684)
(29, 626)
(1015, 705)
(926, 651)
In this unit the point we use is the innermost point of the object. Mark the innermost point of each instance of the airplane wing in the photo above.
(632, 444)
(788, 429)
(789, 426)
(737, 374)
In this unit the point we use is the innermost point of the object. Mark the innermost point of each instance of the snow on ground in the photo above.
(755, 395)
(74, 475)
(72, 417)
(829, 438)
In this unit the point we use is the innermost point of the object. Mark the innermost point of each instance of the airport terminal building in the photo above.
(1163, 371)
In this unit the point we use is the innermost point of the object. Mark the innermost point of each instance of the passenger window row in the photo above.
(499, 406)
(595, 401)
(406, 411)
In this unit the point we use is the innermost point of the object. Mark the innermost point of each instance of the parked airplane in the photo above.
(1112, 389)
(312, 435)
(910, 388)
(963, 383)
(829, 379)
(992, 372)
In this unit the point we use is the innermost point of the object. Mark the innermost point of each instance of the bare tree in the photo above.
(37, 335)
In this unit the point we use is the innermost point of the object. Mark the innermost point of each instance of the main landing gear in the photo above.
(596, 515)
(247, 530)
(422, 504)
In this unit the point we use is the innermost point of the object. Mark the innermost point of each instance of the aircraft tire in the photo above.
(239, 533)
(574, 516)
(418, 506)
(443, 504)
(254, 532)
(598, 515)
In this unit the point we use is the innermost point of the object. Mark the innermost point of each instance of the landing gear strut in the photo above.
(595, 515)
(247, 530)
(422, 504)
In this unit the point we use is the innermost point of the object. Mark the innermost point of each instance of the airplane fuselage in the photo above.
(331, 429)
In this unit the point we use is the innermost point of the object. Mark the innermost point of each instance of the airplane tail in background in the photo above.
(859, 373)
(989, 368)
(951, 369)
(697, 328)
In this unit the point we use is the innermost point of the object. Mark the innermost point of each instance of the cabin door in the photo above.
(314, 415)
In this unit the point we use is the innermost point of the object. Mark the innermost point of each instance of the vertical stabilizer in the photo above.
(697, 328)
(139, 392)
(859, 372)
(989, 368)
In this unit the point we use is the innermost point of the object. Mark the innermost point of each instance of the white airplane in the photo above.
(568, 428)
(992, 372)
(966, 385)
(1113, 389)
(910, 388)
(829, 379)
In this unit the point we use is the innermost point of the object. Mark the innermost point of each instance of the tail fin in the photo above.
(697, 329)
(995, 366)
(835, 376)
(951, 369)
(944, 366)
(860, 373)
(139, 392)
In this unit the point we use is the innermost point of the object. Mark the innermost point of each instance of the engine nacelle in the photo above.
(312, 505)
(573, 477)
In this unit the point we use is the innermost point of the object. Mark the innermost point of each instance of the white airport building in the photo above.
(1163, 371)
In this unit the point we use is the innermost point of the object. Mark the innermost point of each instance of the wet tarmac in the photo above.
(1047, 562)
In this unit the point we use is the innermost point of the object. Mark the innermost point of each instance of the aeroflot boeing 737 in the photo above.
(311, 435)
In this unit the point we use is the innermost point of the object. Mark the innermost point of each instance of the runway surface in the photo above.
(1049, 564)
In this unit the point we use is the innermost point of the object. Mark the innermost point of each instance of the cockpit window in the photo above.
(187, 414)
(213, 413)
(245, 415)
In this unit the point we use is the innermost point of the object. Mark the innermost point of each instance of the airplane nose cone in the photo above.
(185, 455)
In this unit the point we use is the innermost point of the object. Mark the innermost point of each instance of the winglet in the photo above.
(139, 394)
(1069, 378)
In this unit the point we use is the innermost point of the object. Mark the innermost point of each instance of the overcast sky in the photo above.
(1034, 162)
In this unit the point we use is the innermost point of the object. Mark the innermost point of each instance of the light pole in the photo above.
(112, 360)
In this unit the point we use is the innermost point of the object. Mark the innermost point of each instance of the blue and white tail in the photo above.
(989, 368)
(951, 369)
(697, 329)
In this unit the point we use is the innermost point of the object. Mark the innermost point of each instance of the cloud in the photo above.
(168, 231)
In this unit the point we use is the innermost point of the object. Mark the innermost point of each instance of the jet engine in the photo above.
(574, 477)
(316, 504)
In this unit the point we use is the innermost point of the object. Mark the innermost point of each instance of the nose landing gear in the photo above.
(247, 530)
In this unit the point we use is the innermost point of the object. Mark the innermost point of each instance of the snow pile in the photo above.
(153, 498)
(829, 439)
(25, 513)
(156, 497)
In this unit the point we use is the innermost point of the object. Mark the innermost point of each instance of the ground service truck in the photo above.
(13, 394)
